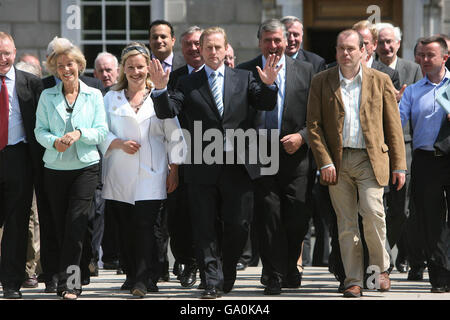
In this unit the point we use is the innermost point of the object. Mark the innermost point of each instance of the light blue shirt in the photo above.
(16, 130)
(351, 96)
(419, 104)
(280, 83)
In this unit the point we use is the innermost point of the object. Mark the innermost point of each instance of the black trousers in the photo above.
(137, 237)
(282, 223)
(179, 225)
(16, 194)
(430, 189)
(231, 200)
(70, 194)
(110, 240)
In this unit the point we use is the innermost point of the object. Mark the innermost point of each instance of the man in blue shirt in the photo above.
(430, 168)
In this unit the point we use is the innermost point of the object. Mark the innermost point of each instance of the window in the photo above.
(109, 25)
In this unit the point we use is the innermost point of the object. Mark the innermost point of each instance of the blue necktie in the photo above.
(216, 92)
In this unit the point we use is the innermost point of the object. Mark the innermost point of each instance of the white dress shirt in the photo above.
(351, 96)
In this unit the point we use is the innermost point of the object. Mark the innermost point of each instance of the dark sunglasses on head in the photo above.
(137, 48)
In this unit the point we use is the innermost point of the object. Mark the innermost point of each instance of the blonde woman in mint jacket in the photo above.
(70, 123)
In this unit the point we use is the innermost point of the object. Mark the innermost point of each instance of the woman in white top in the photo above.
(141, 154)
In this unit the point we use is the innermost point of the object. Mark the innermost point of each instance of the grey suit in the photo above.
(408, 71)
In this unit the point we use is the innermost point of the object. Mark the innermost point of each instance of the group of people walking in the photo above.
(148, 136)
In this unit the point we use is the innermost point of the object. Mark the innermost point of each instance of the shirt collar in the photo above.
(11, 74)
(393, 65)
(427, 81)
(294, 56)
(369, 62)
(220, 70)
(346, 81)
(191, 68)
(167, 60)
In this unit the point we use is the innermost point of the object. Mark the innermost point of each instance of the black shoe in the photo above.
(127, 285)
(113, 265)
(415, 274)
(341, 287)
(152, 287)
(292, 281)
(273, 288)
(86, 281)
(264, 279)
(436, 289)
(240, 266)
(120, 271)
(50, 287)
(402, 266)
(139, 290)
(11, 293)
(202, 285)
(189, 276)
(178, 269)
(210, 293)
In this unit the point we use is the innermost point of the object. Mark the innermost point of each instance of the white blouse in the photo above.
(140, 176)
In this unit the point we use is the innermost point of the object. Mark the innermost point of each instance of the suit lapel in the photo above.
(205, 91)
(229, 89)
(290, 78)
(21, 90)
(333, 80)
(366, 89)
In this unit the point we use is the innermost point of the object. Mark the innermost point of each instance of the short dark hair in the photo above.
(438, 39)
(159, 22)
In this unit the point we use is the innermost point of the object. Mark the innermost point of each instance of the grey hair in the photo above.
(384, 25)
(288, 20)
(28, 67)
(106, 54)
(272, 25)
(190, 30)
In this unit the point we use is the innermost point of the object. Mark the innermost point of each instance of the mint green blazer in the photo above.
(88, 116)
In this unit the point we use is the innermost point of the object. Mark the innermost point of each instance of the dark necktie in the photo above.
(4, 114)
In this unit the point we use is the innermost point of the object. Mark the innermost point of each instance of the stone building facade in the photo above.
(98, 25)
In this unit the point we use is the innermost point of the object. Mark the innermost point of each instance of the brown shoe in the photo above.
(353, 292)
(385, 282)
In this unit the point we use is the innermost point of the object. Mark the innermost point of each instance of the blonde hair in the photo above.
(5, 35)
(213, 30)
(365, 24)
(133, 49)
(62, 46)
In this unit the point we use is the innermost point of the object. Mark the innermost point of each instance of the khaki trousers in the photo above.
(358, 191)
(33, 251)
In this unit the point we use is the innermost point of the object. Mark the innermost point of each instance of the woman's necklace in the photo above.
(137, 106)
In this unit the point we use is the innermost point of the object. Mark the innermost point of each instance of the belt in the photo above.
(348, 148)
(13, 146)
(436, 152)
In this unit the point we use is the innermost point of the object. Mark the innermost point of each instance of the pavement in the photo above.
(317, 284)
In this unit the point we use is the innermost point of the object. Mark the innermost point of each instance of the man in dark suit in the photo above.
(282, 221)
(161, 42)
(398, 208)
(216, 99)
(21, 165)
(178, 217)
(294, 28)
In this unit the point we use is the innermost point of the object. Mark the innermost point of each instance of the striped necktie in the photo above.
(4, 114)
(216, 91)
